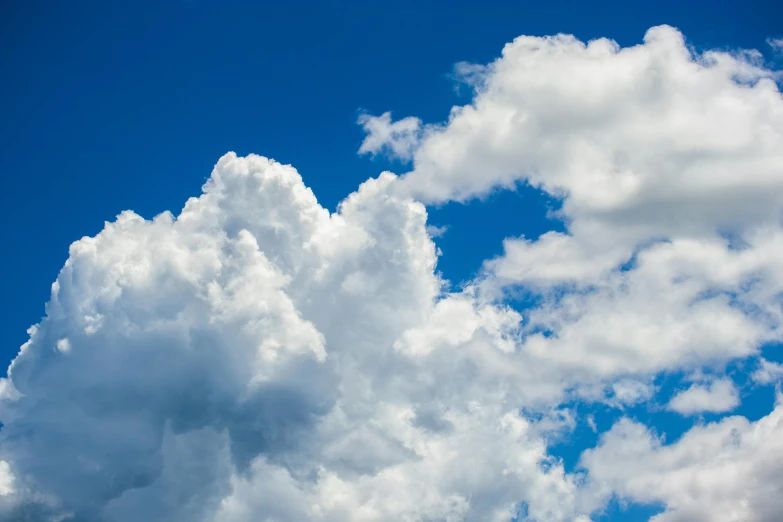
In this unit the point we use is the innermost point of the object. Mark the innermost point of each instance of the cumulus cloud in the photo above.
(616, 129)
(667, 165)
(256, 357)
(718, 396)
(728, 471)
(397, 139)
(768, 372)
(434, 231)
(6, 479)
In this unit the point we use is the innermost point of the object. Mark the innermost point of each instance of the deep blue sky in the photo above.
(115, 105)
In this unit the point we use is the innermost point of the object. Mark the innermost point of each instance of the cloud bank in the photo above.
(257, 357)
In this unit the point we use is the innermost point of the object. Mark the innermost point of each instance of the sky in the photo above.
(342, 261)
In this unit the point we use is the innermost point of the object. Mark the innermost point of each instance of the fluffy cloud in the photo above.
(718, 396)
(620, 131)
(398, 139)
(257, 357)
(726, 471)
(6, 479)
(668, 168)
(768, 372)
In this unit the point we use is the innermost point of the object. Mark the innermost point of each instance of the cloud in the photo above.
(434, 231)
(667, 167)
(768, 372)
(258, 357)
(629, 392)
(6, 479)
(718, 396)
(776, 44)
(397, 139)
(724, 471)
(616, 129)
(679, 305)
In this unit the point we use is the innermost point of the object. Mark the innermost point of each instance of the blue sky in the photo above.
(110, 106)
(116, 106)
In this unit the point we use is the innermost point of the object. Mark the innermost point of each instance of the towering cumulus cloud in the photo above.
(258, 358)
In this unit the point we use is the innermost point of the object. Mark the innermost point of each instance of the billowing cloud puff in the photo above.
(717, 396)
(257, 357)
(726, 471)
(651, 133)
(398, 139)
(669, 169)
(768, 372)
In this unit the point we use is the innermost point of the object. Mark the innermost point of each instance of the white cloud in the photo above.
(717, 396)
(631, 392)
(258, 357)
(591, 423)
(6, 479)
(434, 231)
(617, 130)
(668, 167)
(63, 345)
(768, 372)
(727, 471)
(682, 305)
(776, 44)
(397, 139)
